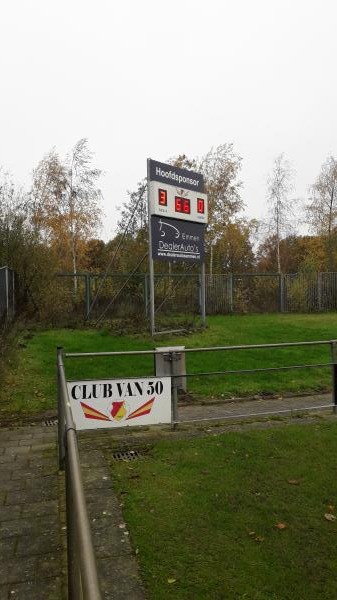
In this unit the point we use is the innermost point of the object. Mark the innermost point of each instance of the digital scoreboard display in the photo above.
(177, 193)
(180, 205)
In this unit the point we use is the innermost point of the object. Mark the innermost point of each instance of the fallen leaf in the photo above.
(171, 580)
(259, 538)
(293, 481)
(329, 517)
(331, 508)
(281, 526)
(251, 533)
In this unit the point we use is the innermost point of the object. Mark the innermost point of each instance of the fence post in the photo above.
(60, 412)
(281, 292)
(87, 294)
(319, 291)
(173, 357)
(146, 295)
(230, 292)
(334, 374)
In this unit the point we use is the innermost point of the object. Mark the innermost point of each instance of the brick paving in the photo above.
(32, 520)
(31, 545)
(116, 561)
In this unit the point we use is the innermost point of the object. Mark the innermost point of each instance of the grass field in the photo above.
(29, 384)
(238, 515)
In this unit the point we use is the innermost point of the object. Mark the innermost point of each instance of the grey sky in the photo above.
(155, 79)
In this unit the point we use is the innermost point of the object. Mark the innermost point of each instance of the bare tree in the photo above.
(280, 184)
(322, 210)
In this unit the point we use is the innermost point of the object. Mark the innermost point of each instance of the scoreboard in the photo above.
(178, 215)
(177, 203)
(177, 193)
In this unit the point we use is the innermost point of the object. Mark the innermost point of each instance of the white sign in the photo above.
(120, 402)
(178, 203)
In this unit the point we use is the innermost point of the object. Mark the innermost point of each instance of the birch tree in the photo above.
(66, 203)
(280, 184)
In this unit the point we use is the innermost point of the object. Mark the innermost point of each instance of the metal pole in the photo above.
(7, 298)
(78, 516)
(174, 388)
(151, 265)
(13, 281)
(60, 413)
(87, 294)
(71, 545)
(203, 294)
(319, 291)
(334, 375)
(281, 292)
(146, 295)
(231, 292)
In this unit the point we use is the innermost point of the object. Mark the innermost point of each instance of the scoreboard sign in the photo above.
(177, 193)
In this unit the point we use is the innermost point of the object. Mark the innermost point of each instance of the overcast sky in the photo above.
(156, 79)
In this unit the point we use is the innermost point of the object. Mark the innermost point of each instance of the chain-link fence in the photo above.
(181, 293)
(7, 295)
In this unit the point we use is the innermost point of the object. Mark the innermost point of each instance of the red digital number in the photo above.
(200, 205)
(162, 197)
(178, 204)
(186, 206)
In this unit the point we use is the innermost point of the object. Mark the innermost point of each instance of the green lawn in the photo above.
(238, 515)
(29, 385)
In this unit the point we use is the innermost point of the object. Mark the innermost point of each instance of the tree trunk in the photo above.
(73, 251)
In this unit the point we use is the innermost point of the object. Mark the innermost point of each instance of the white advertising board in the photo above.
(101, 404)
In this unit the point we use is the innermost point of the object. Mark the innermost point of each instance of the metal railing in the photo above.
(174, 356)
(82, 570)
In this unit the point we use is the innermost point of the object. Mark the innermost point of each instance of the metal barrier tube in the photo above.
(84, 550)
(174, 388)
(79, 532)
(207, 349)
(60, 413)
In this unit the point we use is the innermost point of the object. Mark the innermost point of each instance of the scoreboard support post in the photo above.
(151, 264)
(203, 294)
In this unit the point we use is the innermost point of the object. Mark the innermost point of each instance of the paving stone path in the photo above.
(116, 562)
(31, 548)
(257, 406)
(32, 519)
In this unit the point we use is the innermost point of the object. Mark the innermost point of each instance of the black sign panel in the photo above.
(177, 240)
(181, 178)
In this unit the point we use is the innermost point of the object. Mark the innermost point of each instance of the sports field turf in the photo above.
(29, 384)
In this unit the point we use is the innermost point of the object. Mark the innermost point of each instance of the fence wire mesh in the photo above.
(180, 293)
